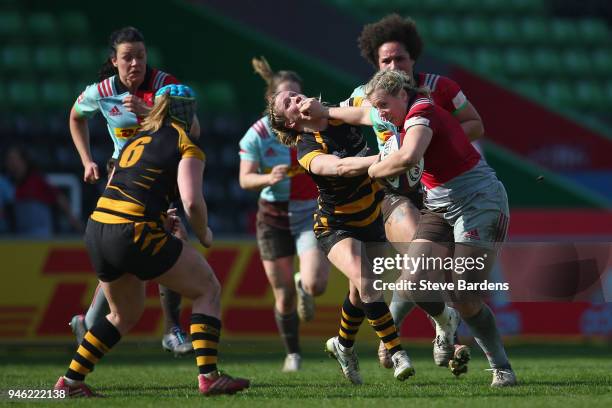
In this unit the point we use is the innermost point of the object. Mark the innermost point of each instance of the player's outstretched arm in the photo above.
(313, 109)
(333, 166)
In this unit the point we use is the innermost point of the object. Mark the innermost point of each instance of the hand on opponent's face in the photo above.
(312, 108)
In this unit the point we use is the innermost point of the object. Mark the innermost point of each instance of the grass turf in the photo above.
(142, 375)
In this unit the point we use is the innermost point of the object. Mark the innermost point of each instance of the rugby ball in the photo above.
(403, 182)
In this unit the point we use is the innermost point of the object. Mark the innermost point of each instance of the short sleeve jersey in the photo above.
(107, 97)
(450, 152)
(260, 145)
(344, 202)
(144, 182)
(445, 93)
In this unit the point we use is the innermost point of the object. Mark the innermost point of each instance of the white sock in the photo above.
(443, 318)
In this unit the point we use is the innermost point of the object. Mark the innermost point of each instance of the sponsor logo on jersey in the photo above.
(125, 133)
(270, 152)
(114, 111)
(472, 234)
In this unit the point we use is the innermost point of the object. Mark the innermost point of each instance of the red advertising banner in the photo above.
(46, 283)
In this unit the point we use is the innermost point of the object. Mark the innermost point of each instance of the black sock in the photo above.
(289, 329)
(432, 308)
(97, 342)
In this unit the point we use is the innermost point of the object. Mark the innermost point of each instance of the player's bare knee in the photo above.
(368, 294)
(314, 288)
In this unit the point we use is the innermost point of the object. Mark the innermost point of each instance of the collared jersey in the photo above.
(144, 182)
(344, 202)
(445, 93)
(107, 97)
(259, 144)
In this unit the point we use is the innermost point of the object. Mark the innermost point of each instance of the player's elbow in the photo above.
(243, 184)
(246, 184)
(75, 117)
(478, 131)
(193, 204)
(342, 169)
(474, 129)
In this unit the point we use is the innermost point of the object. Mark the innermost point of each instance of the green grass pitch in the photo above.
(135, 375)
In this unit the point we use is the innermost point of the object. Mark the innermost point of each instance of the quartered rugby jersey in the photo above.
(144, 181)
(344, 202)
(107, 97)
(259, 144)
(445, 93)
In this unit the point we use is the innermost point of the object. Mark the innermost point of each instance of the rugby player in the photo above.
(394, 43)
(129, 244)
(123, 96)
(287, 201)
(336, 156)
(465, 203)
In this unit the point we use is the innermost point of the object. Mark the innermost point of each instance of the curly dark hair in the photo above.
(390, 28)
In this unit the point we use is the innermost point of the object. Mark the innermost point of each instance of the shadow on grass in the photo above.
(257, 352)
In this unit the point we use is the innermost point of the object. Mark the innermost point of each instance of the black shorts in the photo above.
(144, 249)
(393, 200)
(374, 232)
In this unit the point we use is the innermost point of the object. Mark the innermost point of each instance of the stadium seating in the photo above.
(16, 58)
(520, 42)
(42, 26)
(73, 25)
(81, 59)
(11, 25)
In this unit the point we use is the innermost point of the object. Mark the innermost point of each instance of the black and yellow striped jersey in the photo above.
(144, 182)
(344, 202)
